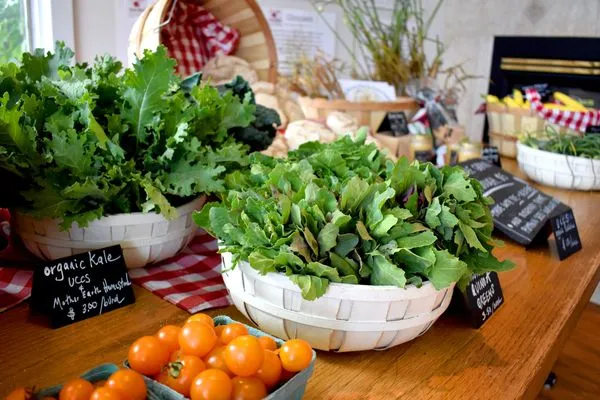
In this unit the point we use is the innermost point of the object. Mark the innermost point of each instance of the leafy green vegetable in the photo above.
(342, 212)
(80, 142)
(587, 146)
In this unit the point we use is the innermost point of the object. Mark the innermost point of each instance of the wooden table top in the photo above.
(508, 358)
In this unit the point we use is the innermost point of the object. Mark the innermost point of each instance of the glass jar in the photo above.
(421, 148)
(469, 151)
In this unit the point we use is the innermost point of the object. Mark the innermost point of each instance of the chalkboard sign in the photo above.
(394, 122)
(483, 297)
(592, 130)
(82, 286)
(490, 154)
(520, 211)
(565, 233)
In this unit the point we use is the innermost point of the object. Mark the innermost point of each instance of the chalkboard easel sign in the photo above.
(82, 286)
(483, 297)
(521, 211)
(394, 122)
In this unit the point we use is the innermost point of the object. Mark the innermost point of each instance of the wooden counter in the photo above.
(508, 358)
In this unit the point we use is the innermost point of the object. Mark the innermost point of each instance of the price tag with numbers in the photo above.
(565, 233)
(483, 297)
(82, 286)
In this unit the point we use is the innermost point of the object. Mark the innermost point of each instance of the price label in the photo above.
(483, 297)
(566, 234)
(82, 286)
(491, 154)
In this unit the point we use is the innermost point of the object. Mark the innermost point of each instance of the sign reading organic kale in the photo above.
(520, 211)
(484, 297)
(394, 122)
(82, 286)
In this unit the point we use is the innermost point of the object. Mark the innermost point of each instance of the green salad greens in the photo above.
(342, 212)
(78, 142)
(587, 146)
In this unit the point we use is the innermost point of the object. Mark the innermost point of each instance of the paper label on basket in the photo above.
(394, 122)
(565, 233)
(520, 211)
(82, 286)
(483, 297)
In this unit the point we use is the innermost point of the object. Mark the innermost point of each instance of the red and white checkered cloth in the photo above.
(193, 36)
(576, 120)
(191, 280)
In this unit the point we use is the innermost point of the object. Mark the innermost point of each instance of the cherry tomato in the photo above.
(244, 355)
(147, 355)
(129, 384)
(197, 339)
(211, 384)
(248, 388)
(169, 337)
(105, 393)
(295, 355)
(179, 375)
(76, 389)
(270, 370)
(20, 394)
(215, 359)
(232, 331)
(175, 355)
(219, 329)
(267, 343)
(200, 317)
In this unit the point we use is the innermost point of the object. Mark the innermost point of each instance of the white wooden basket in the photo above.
(559, 170)
(146, 238)
(347, 318)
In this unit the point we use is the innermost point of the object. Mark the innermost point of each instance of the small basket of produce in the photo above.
(221, 358)
(105, 382)
(514, 116)
(341, 247)
(562, 161)
(96, 155)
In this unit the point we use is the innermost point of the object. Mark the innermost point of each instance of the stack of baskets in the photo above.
(506, 124)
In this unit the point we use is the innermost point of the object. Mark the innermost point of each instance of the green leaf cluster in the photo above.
(83, 141)
(342, 212)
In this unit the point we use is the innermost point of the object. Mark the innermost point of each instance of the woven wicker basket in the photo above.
(508, 123)
(369, 113)
(256, 43)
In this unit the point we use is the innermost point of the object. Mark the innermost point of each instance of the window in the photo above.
(13, 29)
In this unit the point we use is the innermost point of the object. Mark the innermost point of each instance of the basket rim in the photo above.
(134, 218)
(400, 104)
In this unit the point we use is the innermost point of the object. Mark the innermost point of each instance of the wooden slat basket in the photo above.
(367, 113)
(256, 43)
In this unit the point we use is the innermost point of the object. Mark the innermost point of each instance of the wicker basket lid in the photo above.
(256, 44)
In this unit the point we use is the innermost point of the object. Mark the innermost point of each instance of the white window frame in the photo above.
(49, 21)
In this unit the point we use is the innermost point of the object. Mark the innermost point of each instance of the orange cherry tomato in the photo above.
(197, 339)
(200, 317)
(211, 384)
(248, 388)
(295, 355)
(105, 393)
(129, 384)
(232, 331)
(215, 359)
(267, 343)
(244, 355)
(179, 375)
(76, 389)
(147, 355)
(20, 394)
(169, 337)
(270, 370)
(219, 329)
